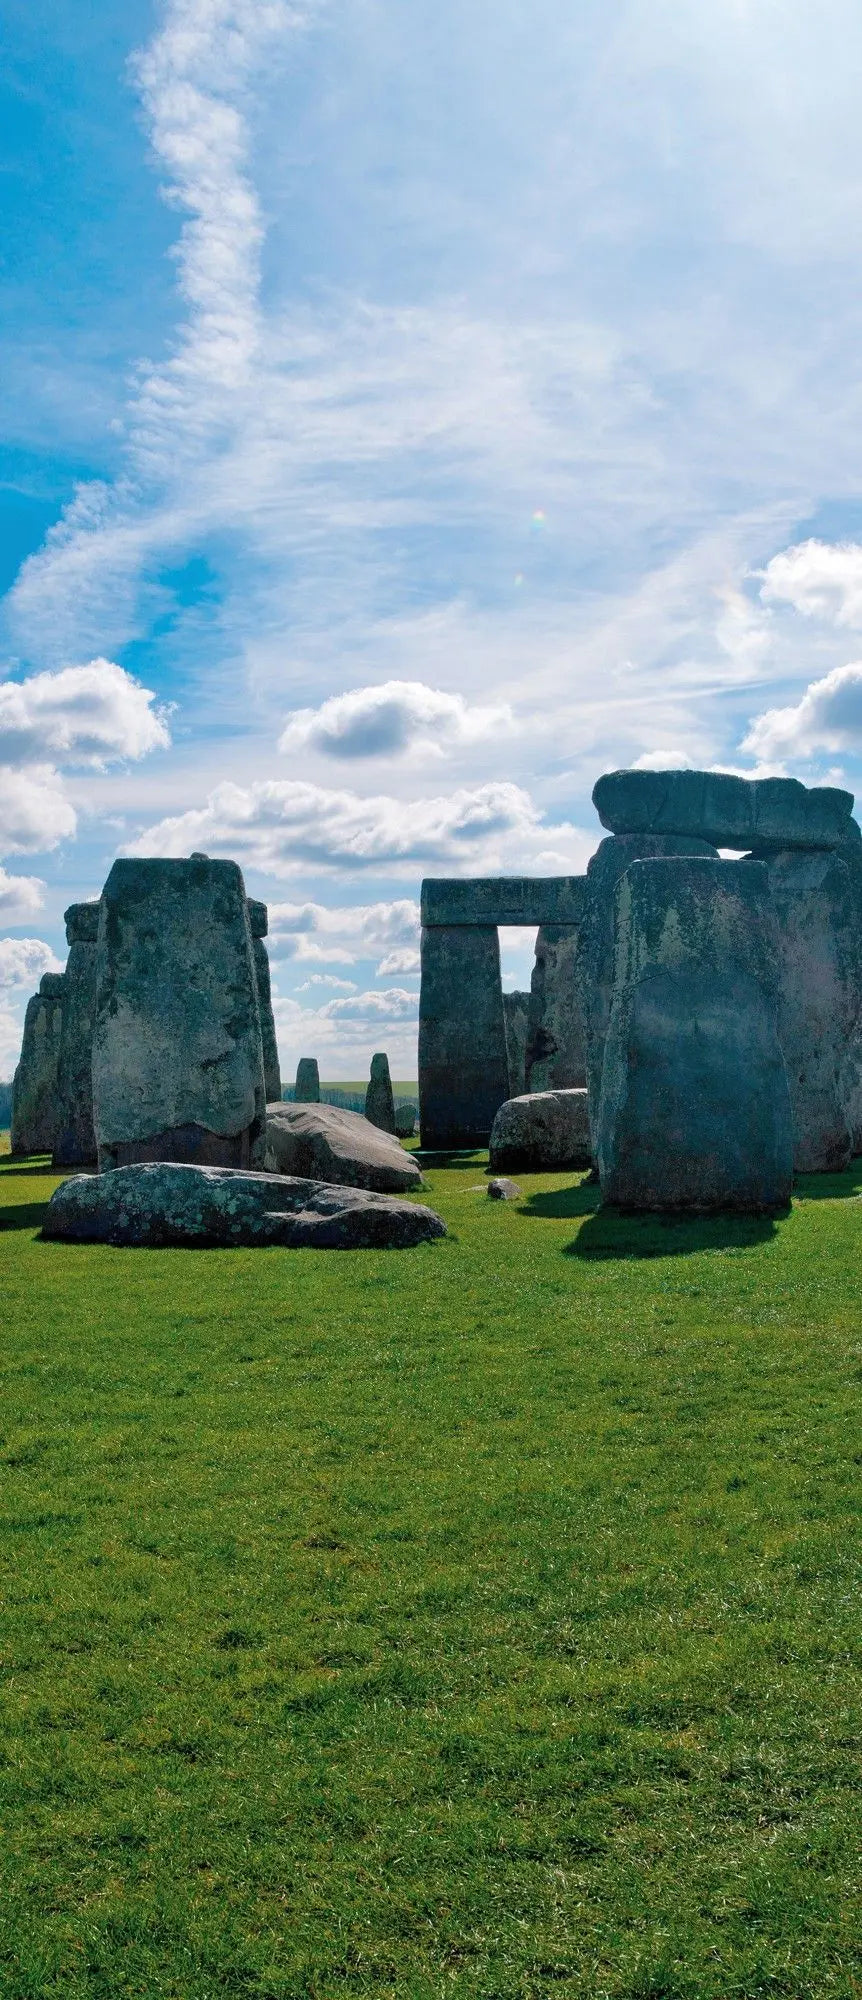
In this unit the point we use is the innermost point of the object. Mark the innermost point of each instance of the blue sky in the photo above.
(409, 412)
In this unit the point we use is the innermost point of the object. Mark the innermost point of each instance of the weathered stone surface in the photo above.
(695, 1107)
(177, 1055)
(323, 1143)
(75, 1142)
(730, 812)
(406, 1115)
(268, 1042)
(379, 1101)
(556, 1056)
(594, 964)
(258, 917)
(543, 1133)
(160, 1205)
(307, 1090)
(34, 1084)
(819, 936)
(463, 1064)
(502, 899)
(502, 1189)
(516, 1014)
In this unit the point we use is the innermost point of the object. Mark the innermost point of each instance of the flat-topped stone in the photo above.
(324, 1143)
(34, 1084)
(307, 1086)
(258, 917)
(748, 813)
(82, 923)
(545, 1132)
(502, 899)
(162, 1206)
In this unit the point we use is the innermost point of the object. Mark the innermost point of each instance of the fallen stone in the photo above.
(169, 1205)
(379, 1101)
(502, 1189)
(323, 1143)
(556, 1052)
(695, 1107)
(516, 1014)
(543, 1133)
(819, 937)
(75, 1142)
(34, 1084)
(307, 1088)
(748, 813)
(177, 1054)
(594, 964)
(406, 1115)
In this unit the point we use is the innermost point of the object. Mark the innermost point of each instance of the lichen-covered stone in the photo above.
(516, 1014)
(556, 1048)
(307, 1088)
(322, 1142)
(819, 937)
(463, 1062)
(747, 813)
(502, 1189)
(168, 1205)
(268, 1040)
(695, 1108)
(379, 1101)
(75, 1142)
(406, 1115)
(34, 1084)
(545, 1132)
(177, 1054)
(594, 963)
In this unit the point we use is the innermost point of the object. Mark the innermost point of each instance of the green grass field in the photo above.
(477, 1621)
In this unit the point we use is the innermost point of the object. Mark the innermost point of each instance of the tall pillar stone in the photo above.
(463, 1062)
(258, 917)
(595, 957)
(177, 1054)
(75, 1143)
(34, 1084)
(556, 1052)
(695, 1109)
(516, 1014)
(819, 939)
(379, 1101)
(307, 1087)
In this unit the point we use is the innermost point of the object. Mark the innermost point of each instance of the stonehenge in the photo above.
(75, 1141)
(746, 813)
(34, 1084)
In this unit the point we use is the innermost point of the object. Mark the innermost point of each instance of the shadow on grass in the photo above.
(608, 1234)
(830, 1187)
(23, 1215)
(582, 1199)
(469, 1157)
(30, 1167)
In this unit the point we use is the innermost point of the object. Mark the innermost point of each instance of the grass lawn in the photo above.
(479, 1620)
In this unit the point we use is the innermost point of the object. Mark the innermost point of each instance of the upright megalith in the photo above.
(732, 812)
(695, 1108)
(258, 917)
(177, 1054)
(307, 1087)
(594, 963)
(815, 900)
(556, 1050)
(463, 1060)
(75, 1142)
(516, 1014)
(34, 1084)
(379, 1101)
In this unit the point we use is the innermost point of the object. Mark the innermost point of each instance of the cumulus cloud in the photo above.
(405, 960)
(828, 718)
(341, 935)
(20, 897)
(347, 1031)
(387, 721)
(92, 715)
(818, 579)
(23, 961)
(35, 814)
(328, 980)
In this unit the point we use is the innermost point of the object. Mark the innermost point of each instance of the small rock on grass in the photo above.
(502, 1189)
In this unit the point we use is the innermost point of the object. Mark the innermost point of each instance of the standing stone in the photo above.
(516, 1014)
(307, 1090)
(177, 1056)
(379, 1101)
(463, 1063)
(75, 1144)
(258, 917)
(732, 812)
(34, 1085)
(556, 1051)
(816, 905)
(595, 958)
(695, 1107)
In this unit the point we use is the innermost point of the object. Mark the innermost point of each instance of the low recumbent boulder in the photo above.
(169, 1205)
(325, 1143)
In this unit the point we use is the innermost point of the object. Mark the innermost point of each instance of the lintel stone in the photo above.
(501, 899)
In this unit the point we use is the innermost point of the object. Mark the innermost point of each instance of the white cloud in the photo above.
(91, 714)
(828, 718)
(23, 961)
(389, 720)
(327, 979)
(10, 1040)
(20, 897)
(342, 934)
(405, 959)
(35, 814)
(818, 579)
(345, 1033)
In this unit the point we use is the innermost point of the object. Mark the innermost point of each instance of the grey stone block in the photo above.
(307, 1089)
(556, 1057)
(269, 1043)
(160, 1205)
(324, 1143)
(177, 1054)
(379, 1101)
(502, 899)
(516, 1014)
(406, 1115)
(463, 1063)
(695, 1107)
(819, 936)
(728, 811)
(258, 917)
(75, 1142)
(546, 1132)
(34, 1084)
